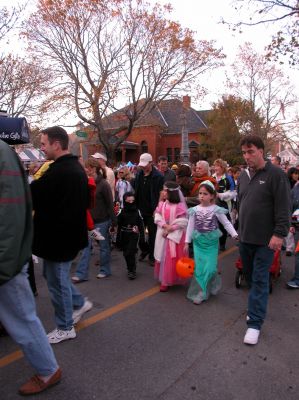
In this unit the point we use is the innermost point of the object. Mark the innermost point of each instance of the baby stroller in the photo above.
(274, 271)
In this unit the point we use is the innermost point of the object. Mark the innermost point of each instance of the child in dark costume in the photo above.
(130, 230)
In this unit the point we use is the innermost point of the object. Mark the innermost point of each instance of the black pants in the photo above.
(129, 247)
(149, 246)
(31, 276)
(223, 238)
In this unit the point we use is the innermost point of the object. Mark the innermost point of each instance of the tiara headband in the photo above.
(171, 189)
(209, 183)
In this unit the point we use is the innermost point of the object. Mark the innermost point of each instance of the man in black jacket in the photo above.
(60, 200)
(264, 218)
(147, 185)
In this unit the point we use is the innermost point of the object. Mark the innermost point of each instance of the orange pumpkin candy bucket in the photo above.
(185, 267)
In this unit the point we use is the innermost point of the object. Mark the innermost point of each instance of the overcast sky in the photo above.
(204, 17)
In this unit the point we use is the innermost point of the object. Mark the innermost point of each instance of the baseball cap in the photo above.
(145, 158)
(99, 155)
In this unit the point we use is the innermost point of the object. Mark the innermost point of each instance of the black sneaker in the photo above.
(152, 262)
(131, 275)
(142, 256)
(3, 330)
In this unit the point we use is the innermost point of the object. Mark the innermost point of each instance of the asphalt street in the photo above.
(139, 344)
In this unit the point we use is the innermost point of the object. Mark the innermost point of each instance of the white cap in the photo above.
(145, 159)
(99, 155)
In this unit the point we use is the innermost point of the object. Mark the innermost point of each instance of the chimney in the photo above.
(186, 102)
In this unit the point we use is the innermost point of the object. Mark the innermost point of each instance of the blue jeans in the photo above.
(257, 261)
(296, 272)
(18, 315)
(83, 265)
(64, 296)
(105, 251)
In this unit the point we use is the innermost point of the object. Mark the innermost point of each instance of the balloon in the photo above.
(185, 267)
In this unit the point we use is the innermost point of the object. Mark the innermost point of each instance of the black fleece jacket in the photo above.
(60, 200)
(156, 186)
(264, 205)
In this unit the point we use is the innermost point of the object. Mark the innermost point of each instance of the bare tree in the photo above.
(267, 89)
(23, 86)
(109, 52)
(281, 13)
(8, 19)
(23, 82)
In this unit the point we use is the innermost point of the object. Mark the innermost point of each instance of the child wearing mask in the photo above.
(130, 230)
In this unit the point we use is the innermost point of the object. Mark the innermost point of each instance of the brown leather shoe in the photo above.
(36, 385)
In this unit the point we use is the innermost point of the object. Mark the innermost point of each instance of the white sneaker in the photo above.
(101, 275)
(251, 336)
(77, 314)
(59, 335)
(96, 235)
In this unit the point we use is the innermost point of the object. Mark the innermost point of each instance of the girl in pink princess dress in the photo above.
(171, 219)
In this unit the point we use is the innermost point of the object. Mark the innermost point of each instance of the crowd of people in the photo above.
(163, 213)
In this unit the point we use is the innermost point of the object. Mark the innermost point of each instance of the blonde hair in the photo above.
(221, 163)
(91, 162)
(127, 174)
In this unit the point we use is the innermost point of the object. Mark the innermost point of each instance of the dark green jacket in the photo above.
(15, 215)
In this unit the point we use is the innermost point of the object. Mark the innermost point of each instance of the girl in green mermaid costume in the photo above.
(204, 232)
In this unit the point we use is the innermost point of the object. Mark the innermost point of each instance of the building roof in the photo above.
(168, 114)
(173, 113)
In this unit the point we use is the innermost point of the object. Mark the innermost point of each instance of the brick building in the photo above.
(158, 133)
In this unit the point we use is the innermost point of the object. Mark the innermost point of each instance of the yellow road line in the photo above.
(10, 358)
(16, 355)
(119, 307)
(227, 252)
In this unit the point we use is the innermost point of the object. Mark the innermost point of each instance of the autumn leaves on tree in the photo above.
(106, 52)
(90, 58)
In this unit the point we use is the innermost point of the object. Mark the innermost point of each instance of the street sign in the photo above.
(82, 134)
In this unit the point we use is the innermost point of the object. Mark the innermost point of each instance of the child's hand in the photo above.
(167, 228)
(186, 249)
(165, 233)
(112, 229)
(135, 229)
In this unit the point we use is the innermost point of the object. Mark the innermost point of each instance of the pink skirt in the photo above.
(165, 271)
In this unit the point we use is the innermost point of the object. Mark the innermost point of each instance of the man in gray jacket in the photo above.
(264, 218)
